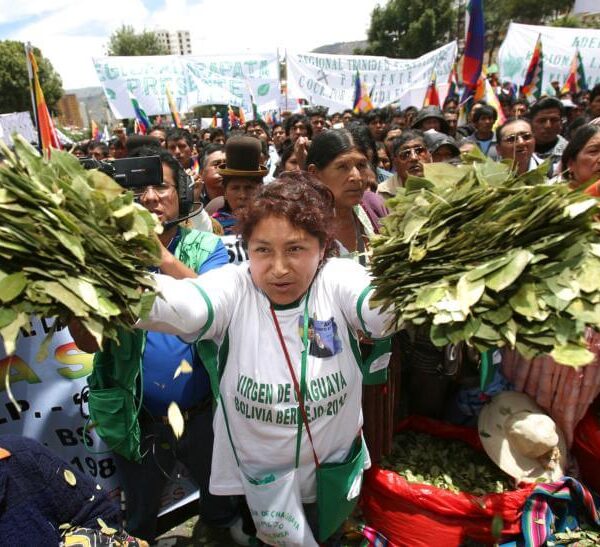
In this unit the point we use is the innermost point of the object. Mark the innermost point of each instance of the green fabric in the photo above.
(115, 394)
(334, 481)
(379, 347)
(488, 369)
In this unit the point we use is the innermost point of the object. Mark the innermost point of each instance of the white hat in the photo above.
(522, 439)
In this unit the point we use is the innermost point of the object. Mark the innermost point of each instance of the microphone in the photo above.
(170, 223)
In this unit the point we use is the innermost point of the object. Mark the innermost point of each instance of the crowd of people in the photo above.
(304, 196)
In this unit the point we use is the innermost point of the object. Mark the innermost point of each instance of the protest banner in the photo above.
(558, 46)
(17, 122)
(193, 80)
(54, 409)
(328, 80)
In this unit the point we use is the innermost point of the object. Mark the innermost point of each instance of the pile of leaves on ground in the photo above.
(445, 463)
(73, 244)
(477, 254)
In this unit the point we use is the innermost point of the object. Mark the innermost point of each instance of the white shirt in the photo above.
(256, 386)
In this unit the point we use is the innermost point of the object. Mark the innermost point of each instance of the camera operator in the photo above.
(186, 253)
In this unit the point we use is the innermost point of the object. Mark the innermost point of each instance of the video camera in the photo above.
(129, 172)
(145, 171)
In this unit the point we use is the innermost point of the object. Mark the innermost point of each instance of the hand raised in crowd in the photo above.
(301, 150)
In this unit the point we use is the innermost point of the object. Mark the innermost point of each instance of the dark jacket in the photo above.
(35, 497)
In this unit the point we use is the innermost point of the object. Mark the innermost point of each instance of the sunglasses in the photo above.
(408, 152)
(511, 139)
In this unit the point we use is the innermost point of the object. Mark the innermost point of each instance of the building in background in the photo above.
(176, 42)
(69, 114)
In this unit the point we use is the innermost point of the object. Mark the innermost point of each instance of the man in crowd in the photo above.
(484, 119)
(442, 147)
(296, 126)
(409, 153)
(546, 122)
(211, 185)
(159, 132)
(519, 108)
(98, 150)
(393, 132)
(216, 135)
(278, 137)
(160, 357)
(318, 119)
(451, 117)
(430, 117)
(258, 129)
(179, 144)
(594, 105)
(515, 142)
(377, 123)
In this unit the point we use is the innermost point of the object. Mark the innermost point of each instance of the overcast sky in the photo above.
(71, 32)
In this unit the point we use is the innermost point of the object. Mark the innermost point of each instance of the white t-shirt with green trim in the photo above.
(256, 387)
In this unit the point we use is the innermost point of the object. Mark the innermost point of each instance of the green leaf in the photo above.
(72, 244)
(469, 292)
(12, 286)
(7, 315)
(525, 301)
(508, 274)
(429, 296)
(572, 355)
(65, 297)
(11, 331)
(576, 209)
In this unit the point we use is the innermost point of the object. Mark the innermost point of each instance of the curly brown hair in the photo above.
(301, 199)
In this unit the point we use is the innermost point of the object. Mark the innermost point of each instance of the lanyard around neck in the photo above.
(300, 389)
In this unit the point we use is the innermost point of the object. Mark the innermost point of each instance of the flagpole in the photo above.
(286, 82)
(32, 90)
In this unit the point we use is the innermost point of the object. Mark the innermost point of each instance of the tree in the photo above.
(15, 91)
(410, 28)
(498, 15)
(125, 41)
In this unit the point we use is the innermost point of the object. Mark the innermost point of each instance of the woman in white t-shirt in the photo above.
(289, 296)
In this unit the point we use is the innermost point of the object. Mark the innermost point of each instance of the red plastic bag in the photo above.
(586, 449)
(419, 515)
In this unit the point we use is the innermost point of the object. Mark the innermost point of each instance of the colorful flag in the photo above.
(492, 99)
(233, 121)
(362, 100)
(474, 47)
(480, 88)
(242, 116)
(95, 131)
(173, 108)
(105, 134)
(432, 97)
(575, 81)
(214, 120)
(195, 165)
(46, 130)
(532, 85)
(143, 122)
(453, 82)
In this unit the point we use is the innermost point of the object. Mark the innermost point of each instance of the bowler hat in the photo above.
(242, 158)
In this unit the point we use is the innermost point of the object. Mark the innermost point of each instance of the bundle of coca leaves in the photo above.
(73, 244)
(478, 254)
